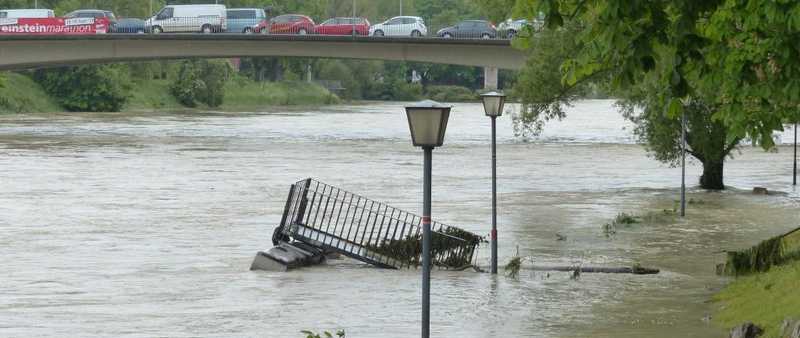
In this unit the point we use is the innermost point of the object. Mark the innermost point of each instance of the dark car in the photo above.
(469, 29)
(287, 24)
(94, 13)
(133, 26)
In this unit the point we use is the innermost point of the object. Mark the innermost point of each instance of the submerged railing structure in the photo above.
(340, 221)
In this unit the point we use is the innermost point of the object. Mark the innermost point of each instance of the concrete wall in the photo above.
(21, 52)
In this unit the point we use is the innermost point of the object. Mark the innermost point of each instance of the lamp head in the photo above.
(427, 121)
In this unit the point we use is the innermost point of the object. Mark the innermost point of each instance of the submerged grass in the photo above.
(760, 258)
(625, 220)
(766, 299)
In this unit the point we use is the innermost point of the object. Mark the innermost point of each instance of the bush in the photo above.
(451, 93)
(103, 88)
(201, 82)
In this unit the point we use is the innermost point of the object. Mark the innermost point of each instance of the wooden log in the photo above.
(594, 269)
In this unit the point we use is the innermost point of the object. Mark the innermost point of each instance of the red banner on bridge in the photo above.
(54, 26)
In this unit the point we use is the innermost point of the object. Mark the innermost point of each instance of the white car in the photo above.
(188, 19)
(400, 26)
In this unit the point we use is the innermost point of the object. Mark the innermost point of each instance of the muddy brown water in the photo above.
(142, 225)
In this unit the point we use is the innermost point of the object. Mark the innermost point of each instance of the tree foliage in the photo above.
(201, 81)
(87, 88)
(744, 52)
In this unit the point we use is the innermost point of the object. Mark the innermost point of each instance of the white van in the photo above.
(26, 13)
(188, 19)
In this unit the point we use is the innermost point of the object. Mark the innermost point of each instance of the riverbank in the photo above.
(20, 94)
(765, 299)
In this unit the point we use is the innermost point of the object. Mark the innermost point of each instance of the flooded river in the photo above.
(145, 225)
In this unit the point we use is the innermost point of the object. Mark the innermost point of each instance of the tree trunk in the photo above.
(712, 175)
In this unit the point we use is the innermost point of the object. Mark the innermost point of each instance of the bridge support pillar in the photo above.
(309, 78)
(490, 78)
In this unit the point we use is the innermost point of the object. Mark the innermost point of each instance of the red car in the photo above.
(344, 26)
(287, 24)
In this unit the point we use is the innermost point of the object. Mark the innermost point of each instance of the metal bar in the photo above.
(286, 208)
(426, 246)
(350, 229)
(494, 195)
(333, 210)
(316, 213)
(374, 220)
(683, 164)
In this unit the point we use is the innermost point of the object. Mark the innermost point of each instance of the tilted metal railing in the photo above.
(337, 220)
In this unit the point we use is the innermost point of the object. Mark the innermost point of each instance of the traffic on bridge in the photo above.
(218, 19)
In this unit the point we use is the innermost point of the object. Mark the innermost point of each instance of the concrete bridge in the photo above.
(32, 51)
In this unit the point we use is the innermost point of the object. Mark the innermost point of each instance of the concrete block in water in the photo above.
(286, 256)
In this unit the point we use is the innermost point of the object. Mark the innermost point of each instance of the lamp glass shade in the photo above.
(493, 103)
(427, 121)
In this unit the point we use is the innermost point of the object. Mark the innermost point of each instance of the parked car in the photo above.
(188, 19)
(287, 24)
(26, 13)
(343, 26)
(130, 25)
(469, 29)
(96, 14)
(242, 20)
(400, 26)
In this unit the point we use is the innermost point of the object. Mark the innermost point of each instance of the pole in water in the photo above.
(494, 196)
(426, 246)
(683, 164)
(794, 172)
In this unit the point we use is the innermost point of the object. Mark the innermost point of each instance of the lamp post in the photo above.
(493, 103)
(794, 170)
(683, 164)
(427, 121)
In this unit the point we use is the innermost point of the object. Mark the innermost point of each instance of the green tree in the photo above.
(102, 88)
(201, 81)
(743, 51)
(731, 66)
(187, 85)
(214, 74)
(545, 97)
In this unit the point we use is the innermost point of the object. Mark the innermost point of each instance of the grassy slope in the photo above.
(766, 299)
(240, 94)
(20, 94)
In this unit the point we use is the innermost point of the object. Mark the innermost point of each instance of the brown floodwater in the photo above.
(142, 225)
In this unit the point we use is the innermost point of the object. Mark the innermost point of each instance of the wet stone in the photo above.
(746, 330)
(790, 328)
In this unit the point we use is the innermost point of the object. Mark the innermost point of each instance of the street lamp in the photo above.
(427, 121)
(493, 103)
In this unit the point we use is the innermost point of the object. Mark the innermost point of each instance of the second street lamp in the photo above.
(427, 121)
(493, 103)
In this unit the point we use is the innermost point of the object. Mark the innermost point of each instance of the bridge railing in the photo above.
(337, 220)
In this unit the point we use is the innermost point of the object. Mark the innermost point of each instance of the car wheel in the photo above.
(206, 29)
(157, 30)
(302, 31)
(416, 34)
(378, 33)
(248, 30)
(447, 36)
(486, 36)
(511, 34)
